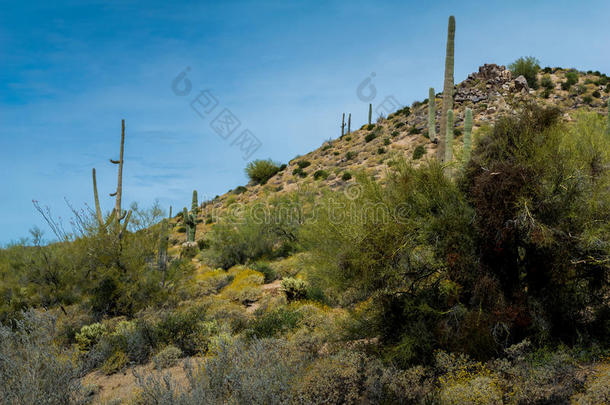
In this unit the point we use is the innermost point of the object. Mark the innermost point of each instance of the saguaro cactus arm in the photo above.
(431, 116)
(98, 209)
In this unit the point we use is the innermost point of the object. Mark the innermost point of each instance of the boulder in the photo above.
(521, 84)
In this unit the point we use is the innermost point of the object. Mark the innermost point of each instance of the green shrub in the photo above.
(596, 94)
(299, 172)
(380, 151)
(268, 272)
(294, 288)
(168, 357)
(346, 176)
(89, 335)
(240, 190)
(533, 151)
(528, 67)
(370, 126)
(369, 137)
(547, 83)
(260, 171)
(259, 231)
(350, 155)
(414, 131)
(587, 99)
(571, 79)
(320, 174)
(115, 363)
(546, 93)
(275, 322)
(302, 164)
(387, 141)
(418, 152)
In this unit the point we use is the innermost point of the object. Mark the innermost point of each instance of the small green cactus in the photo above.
(449, 137)
(431, 116)
(370, 113)
(467, 135)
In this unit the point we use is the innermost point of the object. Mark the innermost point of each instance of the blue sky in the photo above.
(71, 70)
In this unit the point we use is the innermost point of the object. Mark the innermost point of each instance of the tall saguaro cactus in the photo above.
(467, 135)
(119, 188)
(447, 87)
(117, 214)
(163, 243)
(189, 224)
(431, 116)
(449, 137)
(349, 123)
(343, 125)
(370, 113)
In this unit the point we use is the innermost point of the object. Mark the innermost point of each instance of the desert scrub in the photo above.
(211, 281)
(467, 382)
(275, 322)
(89, 335)
(115, 363)
(261, 372)
(418, 152)
(527, 67)
(245, 286)
(168, 357)
(370, 137)
(294, 288)
(33, 370)
(346, 176)
(320, 174)
(260, 171)
(597, 389)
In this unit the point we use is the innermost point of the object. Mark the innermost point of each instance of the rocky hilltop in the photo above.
(490, 92)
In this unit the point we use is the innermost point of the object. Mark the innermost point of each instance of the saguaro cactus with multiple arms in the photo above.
(431, 116)
(467, 135)
(447, 87)
(449, 137)
(117, 214)
(370, 113)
